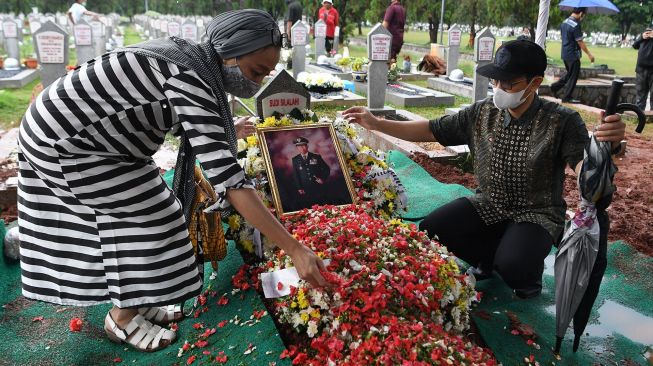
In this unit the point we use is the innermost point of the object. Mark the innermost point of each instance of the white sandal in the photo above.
(157, 314)
(147, 337)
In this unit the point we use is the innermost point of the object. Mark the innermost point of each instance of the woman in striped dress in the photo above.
(97, 222)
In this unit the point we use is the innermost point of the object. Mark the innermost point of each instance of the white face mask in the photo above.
(504, 100)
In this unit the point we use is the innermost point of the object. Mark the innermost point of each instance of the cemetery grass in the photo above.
(623, 60)
(13, 104)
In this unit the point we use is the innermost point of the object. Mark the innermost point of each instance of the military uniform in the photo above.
(306, 171)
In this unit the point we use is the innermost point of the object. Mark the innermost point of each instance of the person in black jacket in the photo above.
(644, 70)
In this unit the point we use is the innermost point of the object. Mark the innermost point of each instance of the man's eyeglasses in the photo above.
(506, 85)
(280, 39)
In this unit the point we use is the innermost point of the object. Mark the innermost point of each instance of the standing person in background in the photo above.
(78, 10)
(332, 19)
(644, 70)
(572, 44)
(293, 14)
(394, 21)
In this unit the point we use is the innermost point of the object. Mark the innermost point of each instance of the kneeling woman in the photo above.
(97, 222)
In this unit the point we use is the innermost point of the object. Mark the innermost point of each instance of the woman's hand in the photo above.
(308, 265)
(244, 127)
(362, 116)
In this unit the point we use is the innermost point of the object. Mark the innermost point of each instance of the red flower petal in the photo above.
(75, 324)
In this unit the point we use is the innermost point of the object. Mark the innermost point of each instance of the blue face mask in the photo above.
(235, 82)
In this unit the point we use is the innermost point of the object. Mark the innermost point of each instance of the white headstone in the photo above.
(453, 54)
(282, 94)
(34, 25)
(10, 34)
(320, 38)
(51, 46)
(299, 40)
(379, 41)
(336, 40)
(189, 30)
(483, 54)
(173, 29)
(83, 34)
(98, 37)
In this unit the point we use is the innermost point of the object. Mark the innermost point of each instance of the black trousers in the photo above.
(328, 44)
(644, 85)
(568, 80)
(515, 250)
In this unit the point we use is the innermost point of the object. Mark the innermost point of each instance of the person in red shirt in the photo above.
(394, 21)
(332, 19)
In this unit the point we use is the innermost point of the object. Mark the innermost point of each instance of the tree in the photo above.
(632, 12)
(429, 11)
(471, 12)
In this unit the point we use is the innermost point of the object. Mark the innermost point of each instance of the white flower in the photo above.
(312, 329)
(242, 145)
(253, 152)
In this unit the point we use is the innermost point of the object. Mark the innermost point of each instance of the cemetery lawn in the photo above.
(14, 103)
(131, 36)
(623, 60)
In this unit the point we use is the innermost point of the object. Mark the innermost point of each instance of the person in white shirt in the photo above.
(78, 10)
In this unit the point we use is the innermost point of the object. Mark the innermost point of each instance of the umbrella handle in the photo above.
(613, 105)
(641, 117)
(613, 97)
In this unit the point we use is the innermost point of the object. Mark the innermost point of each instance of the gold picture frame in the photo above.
(294, 182)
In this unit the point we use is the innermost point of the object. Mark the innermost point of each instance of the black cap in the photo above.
(514, 59)
(300, 141)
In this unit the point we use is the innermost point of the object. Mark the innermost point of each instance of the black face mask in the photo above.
(237, 84)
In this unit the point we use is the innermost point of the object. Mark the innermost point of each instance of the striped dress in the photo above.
(97, 221)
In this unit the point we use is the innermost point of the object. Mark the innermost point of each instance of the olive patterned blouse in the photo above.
(519, 164)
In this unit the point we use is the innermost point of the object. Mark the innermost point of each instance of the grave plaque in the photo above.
(51, 46)
(281, 94)
(189, 30)
(173, 29)
(379, 47)
(10, 28)
(299, 39)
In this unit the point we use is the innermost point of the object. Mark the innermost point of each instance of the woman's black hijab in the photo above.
(230, 34)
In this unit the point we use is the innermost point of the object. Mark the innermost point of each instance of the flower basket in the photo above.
(31, 63)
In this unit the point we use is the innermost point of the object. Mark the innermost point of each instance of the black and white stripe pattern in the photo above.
(97, 222)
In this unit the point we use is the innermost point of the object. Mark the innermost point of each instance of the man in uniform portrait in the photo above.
(310, 173)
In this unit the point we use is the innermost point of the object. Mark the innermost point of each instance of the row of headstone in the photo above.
(188, 28)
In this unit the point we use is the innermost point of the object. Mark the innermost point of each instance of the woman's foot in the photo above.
(162, 315)
(127, 326)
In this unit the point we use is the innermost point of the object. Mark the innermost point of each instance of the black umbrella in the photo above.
(581, 258)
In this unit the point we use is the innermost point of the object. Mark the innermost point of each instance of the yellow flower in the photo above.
(252, 141)
(234, 222)
(315, 314)
(293, 304)
(248, 246)
(304, 317)
(390, 195)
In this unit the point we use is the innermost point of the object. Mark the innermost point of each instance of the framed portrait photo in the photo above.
(305, 167)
